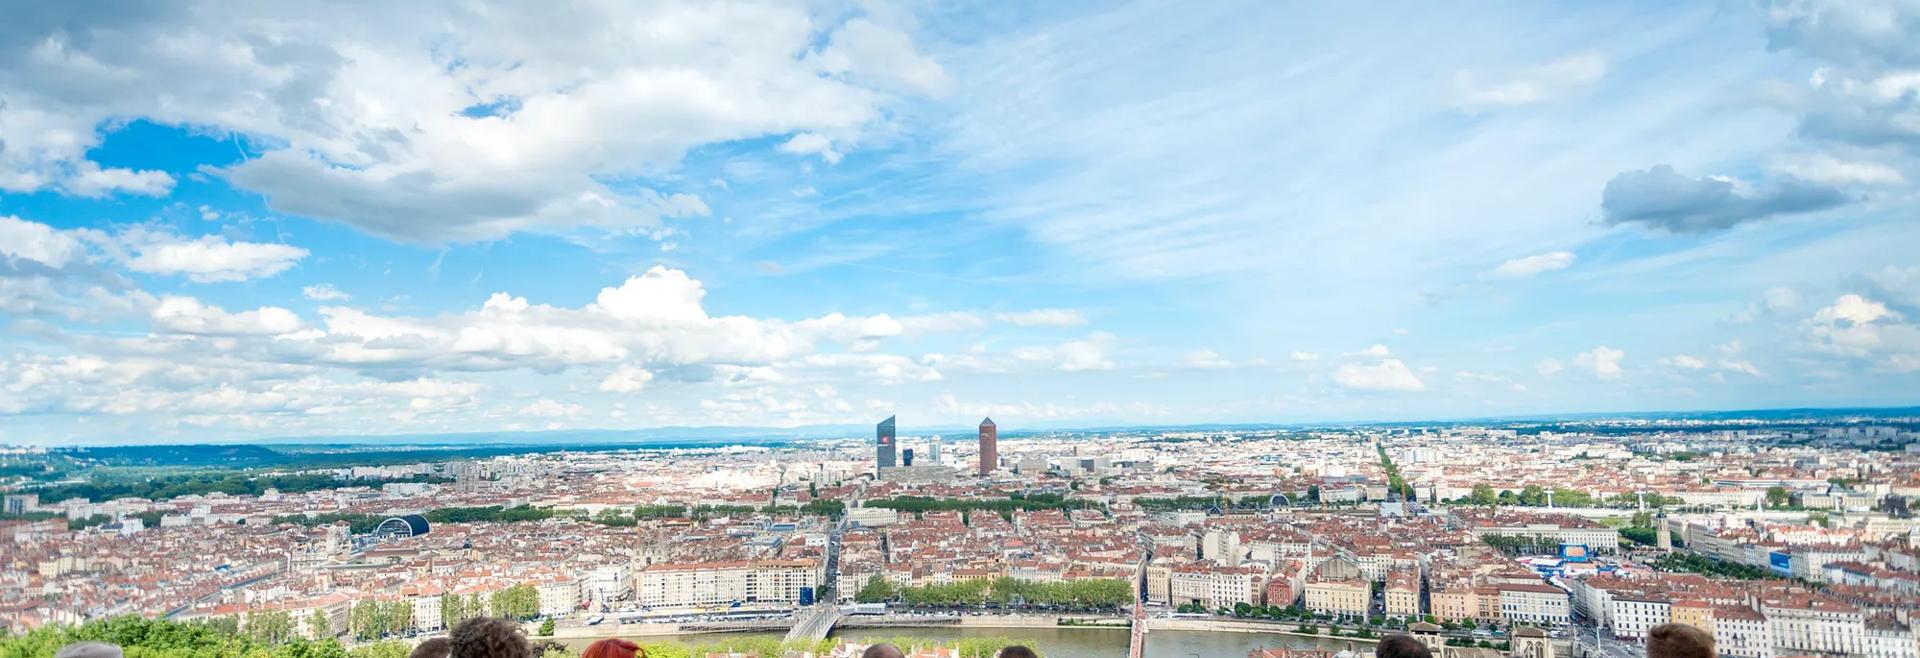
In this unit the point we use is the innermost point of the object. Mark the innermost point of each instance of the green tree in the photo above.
(1483, 494)
(399, 617)
(877, 590)
(319, 626)
(367, 620)
(546, 628)
(453, 609)
(1778, 497)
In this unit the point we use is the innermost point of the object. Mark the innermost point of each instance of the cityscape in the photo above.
(1780, 536)
(959, 329)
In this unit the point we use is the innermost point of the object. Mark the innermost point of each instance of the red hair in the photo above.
(614, 647)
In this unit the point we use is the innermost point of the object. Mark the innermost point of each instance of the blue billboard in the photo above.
(1781, 562)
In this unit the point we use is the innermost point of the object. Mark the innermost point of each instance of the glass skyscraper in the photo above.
(884, 444)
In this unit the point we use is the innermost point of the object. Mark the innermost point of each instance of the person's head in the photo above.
(488, 637)
(1017, 651)
(614, 647)
(433, 647)
(1401, 646)
(89, 650)
(882, 650)
(1678, 641)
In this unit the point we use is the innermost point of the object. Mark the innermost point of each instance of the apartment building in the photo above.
(1217, 586)
(722, 583)
(1534, 604)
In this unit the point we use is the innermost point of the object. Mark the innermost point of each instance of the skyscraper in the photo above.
(883, 443)
(989, 446)
(933, 450)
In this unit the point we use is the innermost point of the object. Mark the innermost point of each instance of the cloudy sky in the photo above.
(225, 222)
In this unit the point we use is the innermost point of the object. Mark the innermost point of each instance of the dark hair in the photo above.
(882, 650)
(433, 647)
(1401, 646)
(1678, 641)
(488, 637)
(1017, 651)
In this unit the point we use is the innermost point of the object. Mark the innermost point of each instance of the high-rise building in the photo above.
(933, 450)
(906, 457)
(883, 443)
(989, 446)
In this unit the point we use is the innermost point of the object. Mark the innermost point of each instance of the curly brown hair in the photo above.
(488, 637)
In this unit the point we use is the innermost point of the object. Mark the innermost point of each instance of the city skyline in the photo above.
(222, 224)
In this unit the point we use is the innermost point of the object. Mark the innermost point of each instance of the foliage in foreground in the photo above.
(151, 638)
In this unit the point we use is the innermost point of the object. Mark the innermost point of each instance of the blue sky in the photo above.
(310, 219)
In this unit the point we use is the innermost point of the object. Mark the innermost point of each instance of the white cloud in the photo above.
(374, 117)
(1603, 361)
(884, 56)
(1044, 317)
(1548, 367)
(1685, 362)
(1303, 356)
(549, 408)
(662, 295)
(1384, 375)
(812, 144)
(1089, 354)
(1376, 350)
(626, 379)
(1207, 360)
(1861, 328)
(208, 259)
(186, 315)
(1545, 82)
(39, 243)
(1853, 309)
(1525, 267)
(1828, 170)
(89, 180)
(324, 292)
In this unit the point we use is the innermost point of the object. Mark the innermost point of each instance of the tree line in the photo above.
(1005, 506)
(153, 638)
(165, 487)
(1006, 591)
(1534, 495)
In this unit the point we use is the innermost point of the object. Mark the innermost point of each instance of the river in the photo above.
(1060, 642)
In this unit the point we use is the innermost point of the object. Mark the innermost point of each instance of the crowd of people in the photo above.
(493, 637)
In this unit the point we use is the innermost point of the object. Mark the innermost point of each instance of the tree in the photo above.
(453, 609)
(319, 626)
(399, 617)
(1313, 492)
(546, 628)
(877, 590)
(368, 620)
(1778, 497)
(1483, 494)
